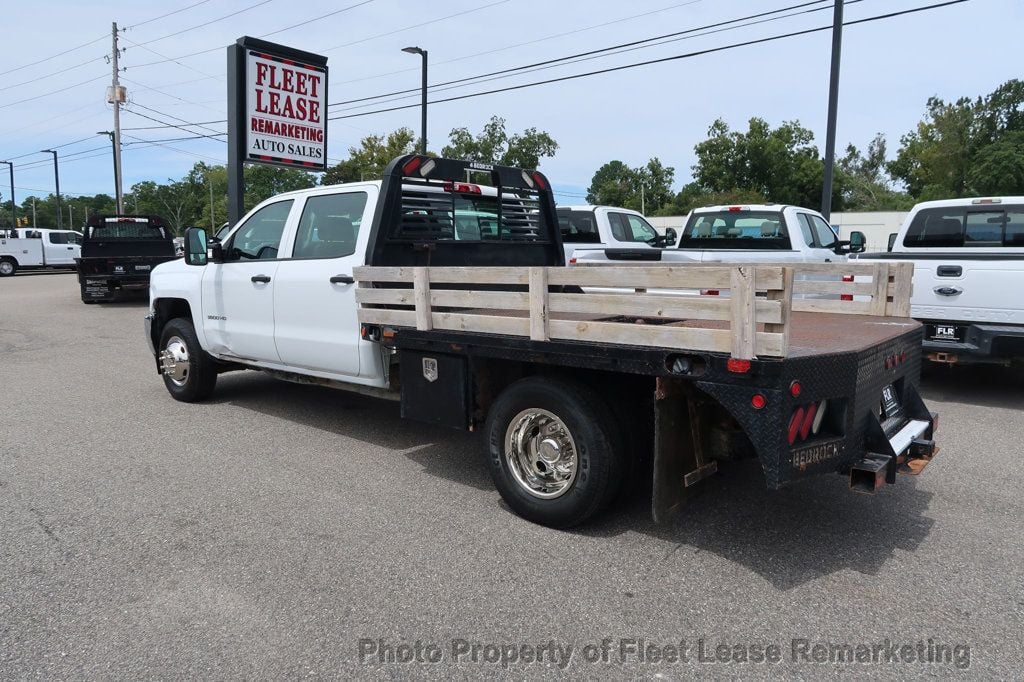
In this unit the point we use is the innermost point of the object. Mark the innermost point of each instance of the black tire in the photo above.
(200, 376)
(599, 449)
(10, 266)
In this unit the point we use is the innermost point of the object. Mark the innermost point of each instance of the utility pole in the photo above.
(33, 212)
(213, 228)
(116, 96)
(71, 216)
(14, 220)
(833, 110)
(643, 206)
(56, 182)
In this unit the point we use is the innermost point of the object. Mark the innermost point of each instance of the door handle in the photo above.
(263, 279)
(949, 271)
(343, 279)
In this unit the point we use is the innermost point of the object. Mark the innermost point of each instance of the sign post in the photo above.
(277, 112)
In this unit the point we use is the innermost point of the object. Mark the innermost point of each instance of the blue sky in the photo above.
(890, 68)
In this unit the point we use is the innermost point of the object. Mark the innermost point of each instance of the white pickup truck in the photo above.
(596, 228)
(26, 248)
(968, 257)
(454, 299)
(745, 234)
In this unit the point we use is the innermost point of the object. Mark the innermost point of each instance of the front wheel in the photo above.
(8, 267)
(187, 370)
(554, 451)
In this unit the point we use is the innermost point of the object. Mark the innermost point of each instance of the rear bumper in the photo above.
(982, 343)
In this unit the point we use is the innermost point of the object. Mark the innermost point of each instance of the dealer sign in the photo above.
(285, 107)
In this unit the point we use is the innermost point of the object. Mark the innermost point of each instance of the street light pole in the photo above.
(423, 105)
(56, 182)
(833, 111)
(10, 167)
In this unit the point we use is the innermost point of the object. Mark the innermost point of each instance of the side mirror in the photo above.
(671, 236)
(196, 246)
(858, 242)
(892, 241)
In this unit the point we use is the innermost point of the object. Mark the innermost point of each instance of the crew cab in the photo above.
(968, 257)
(595, 228)
(453, 298)
(119, 252)
(745, 234)
(24, 248)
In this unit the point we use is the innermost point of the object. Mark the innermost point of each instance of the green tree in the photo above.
(371, 157)
(494, 145)
(866, 182)
(780, 164)
(647, 188)
(693, 196)
(965, 147)
(263, 182)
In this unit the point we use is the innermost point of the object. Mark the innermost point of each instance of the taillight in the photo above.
(737, 366)
(805, 428)
(846, 297)
(758, 401)
(542, 182)
(411, 165)
(795, 422)
(735, 209)
(709, 292)
(794, 389)
(462, 188)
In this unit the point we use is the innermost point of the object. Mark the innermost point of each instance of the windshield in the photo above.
(735, 229)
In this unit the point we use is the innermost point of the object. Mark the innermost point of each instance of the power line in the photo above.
(208, 22)
(143, 88)
(176, 118)
(59, 54)
(657, 61)
(52, 92)
(678, 35)
(175, 149)
(322, 16)
(172, 125)
(164, 16)
(528, 42)
(425, 23)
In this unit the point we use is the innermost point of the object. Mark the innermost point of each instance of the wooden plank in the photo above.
(421, 298)
(462, 298)
(665, 306)
(445, 275)
(398, 318)
(539, 304)
(683, 338)
(486, 324)
(814, 286)
(823, 305)
(881, 284)
(784, 297)
(368, 296)
(903, 275)
(644, 277)
(744, 324)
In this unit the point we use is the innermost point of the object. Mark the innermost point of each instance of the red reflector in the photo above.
(794, 389)
(542, 182)
(738, 366)
(846, 297)
(758, 401)
(709, 292)
(411, 165)
(795, 422)
(572, 261)
(805, 428)
(462, 188)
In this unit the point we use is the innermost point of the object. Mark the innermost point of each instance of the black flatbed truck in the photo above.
(119, 252)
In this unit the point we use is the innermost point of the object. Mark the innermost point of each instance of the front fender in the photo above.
(176, 281)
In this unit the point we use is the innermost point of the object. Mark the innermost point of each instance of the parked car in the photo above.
(968, 257)
(119, 252)
(596, 228)
(26, 248)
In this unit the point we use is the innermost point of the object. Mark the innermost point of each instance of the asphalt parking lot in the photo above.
(267, 532)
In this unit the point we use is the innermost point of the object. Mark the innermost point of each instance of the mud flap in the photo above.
(678, 461)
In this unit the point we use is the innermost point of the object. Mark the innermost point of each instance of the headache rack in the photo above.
(436, 211)
(744, 310)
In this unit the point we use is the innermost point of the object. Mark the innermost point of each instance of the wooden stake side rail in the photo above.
(640, 305)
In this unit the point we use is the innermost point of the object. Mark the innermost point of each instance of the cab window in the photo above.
(630, 228)
(259, 238)
(822, 230)
(578, 227)
(329, 226)
(58, 238)
(805, 229)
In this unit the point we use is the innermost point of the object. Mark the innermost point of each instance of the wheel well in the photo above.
(165, 310)
(10, 258)
(632, 393)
